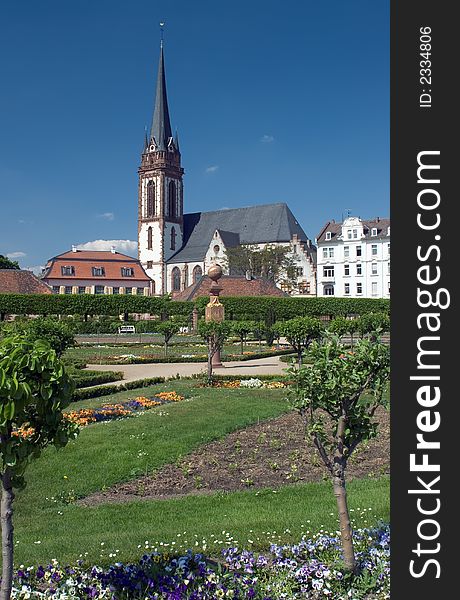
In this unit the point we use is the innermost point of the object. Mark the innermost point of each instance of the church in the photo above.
(176, 249)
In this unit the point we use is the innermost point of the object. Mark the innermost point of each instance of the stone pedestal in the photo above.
(214, 309)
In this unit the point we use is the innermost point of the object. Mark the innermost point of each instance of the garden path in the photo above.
(271, 365)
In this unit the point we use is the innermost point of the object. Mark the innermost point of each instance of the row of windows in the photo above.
(330, 270)
(99, 271)
(329, 252)
(176, 278)
(172, 239)
(171, 203)
(328, 290)
(352, 234)
(98, 289)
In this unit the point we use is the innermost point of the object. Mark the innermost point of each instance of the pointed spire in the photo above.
(176, 140)
(161, 126)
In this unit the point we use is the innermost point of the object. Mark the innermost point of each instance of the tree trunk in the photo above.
(242, 345)
(210, 355)
(6, 517)
(299, 358)
(166, 348)
(340, 494)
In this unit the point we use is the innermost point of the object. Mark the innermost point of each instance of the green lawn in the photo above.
(47, 527)
(105, 353)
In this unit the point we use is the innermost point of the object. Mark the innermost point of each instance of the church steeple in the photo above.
(161, 196)
(160, 132)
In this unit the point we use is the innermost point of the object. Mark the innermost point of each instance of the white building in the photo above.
(353, 259)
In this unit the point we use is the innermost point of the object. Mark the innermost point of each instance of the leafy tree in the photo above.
(34, 388)
(167, 329)
(242, 329)
(6, 263)
(214, 333)
(272, 262)
(59, 334)
(373, 325)
(340, 326)
(347, 387)
(300, 333)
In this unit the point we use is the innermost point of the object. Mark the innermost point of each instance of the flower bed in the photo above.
(310, 569)
(108, 412)
(253, 383)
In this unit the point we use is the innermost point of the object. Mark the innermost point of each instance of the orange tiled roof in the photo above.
(231, 286)
(83, 262)
(14, 281)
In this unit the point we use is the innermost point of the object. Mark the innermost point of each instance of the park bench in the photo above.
(127, 329)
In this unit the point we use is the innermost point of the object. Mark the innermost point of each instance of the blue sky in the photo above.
(274, 101)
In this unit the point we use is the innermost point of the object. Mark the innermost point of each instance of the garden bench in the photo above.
(127, 329)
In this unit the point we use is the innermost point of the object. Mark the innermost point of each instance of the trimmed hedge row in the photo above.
(106, 390)
(87, 378)
(249, 308)
(89, 304)
(256, 308)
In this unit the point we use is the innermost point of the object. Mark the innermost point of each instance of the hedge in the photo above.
(106, 390)
(89, 378)
(251, 308)
(90, 304)
(269, 310)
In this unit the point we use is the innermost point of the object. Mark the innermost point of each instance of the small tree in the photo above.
(242, 329)
(214, 333)
(340, 326)
(34, 389)
(167, 329)
(59, 334)
(348, 387)
(300, 333)
(373, 325)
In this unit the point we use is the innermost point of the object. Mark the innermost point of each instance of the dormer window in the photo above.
(127, 272)
(328, 235)
(67, 270)
(374, 231)
(98, 271)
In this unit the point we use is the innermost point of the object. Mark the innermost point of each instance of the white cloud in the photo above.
(267, 139)
(14, 255)
(109, 216)
(128, 246)
(36, 269)
(212, 169)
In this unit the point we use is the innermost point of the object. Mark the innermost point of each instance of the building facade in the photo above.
(176, 249)
(96, 272)
(353, 259)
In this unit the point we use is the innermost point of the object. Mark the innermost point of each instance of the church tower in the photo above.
(160, 192)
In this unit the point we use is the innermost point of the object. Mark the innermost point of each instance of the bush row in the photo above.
(258, 308)
(106, 390)
(89, 378)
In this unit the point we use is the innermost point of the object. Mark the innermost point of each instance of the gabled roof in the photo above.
(258, 224)
(15, 281)
(231, 286)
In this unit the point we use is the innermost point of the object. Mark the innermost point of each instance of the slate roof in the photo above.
(336, 229)
(258, 224)
(231, 286)
(161, 125)
(14, 281)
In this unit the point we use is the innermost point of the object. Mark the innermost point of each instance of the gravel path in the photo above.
(263, 366)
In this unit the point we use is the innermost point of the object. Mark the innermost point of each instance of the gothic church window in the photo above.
(149, 238)
(150, 199)
(172, 199)
(175, 279)
(197, 273)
